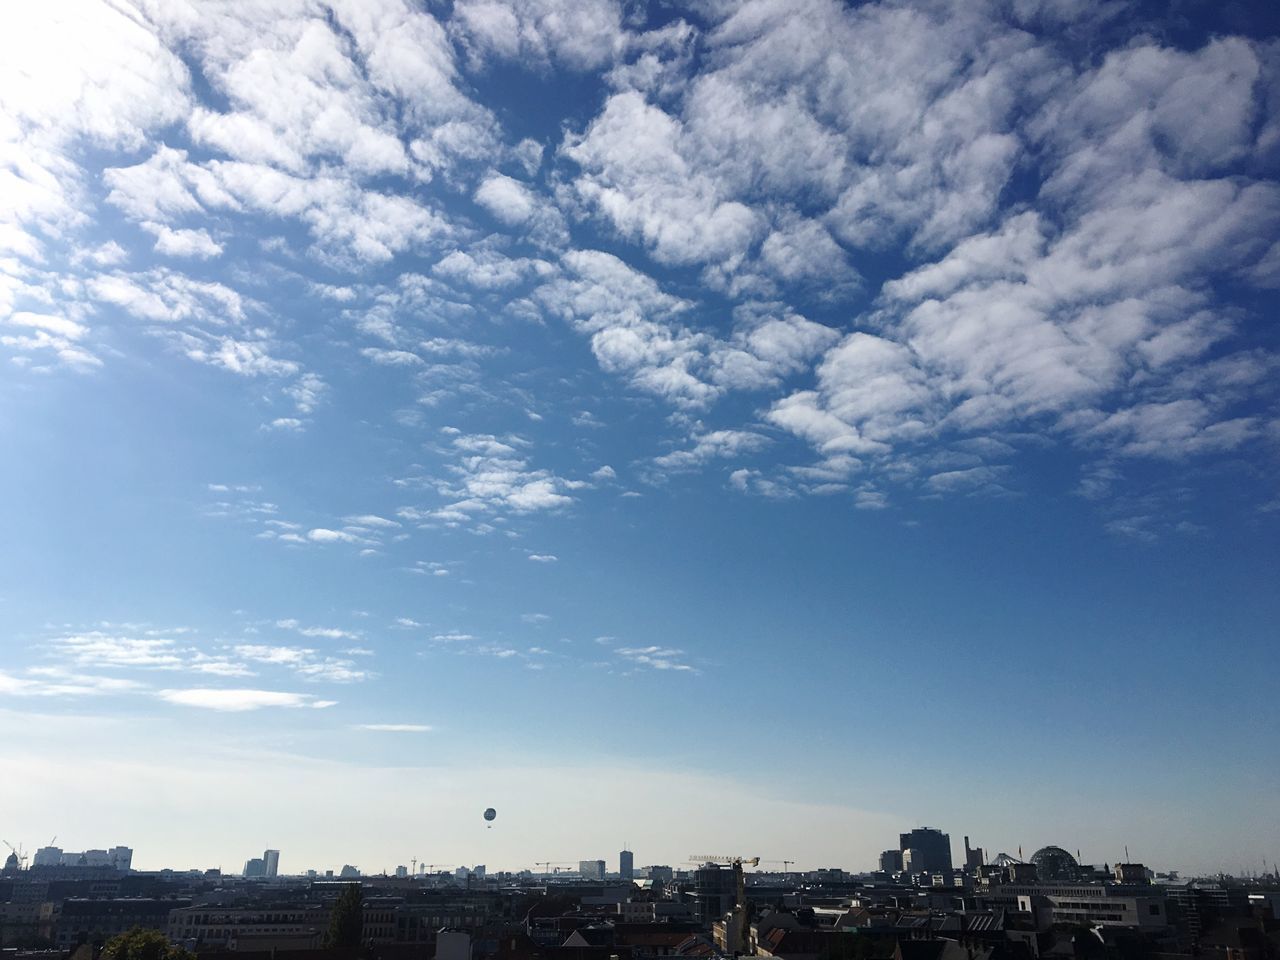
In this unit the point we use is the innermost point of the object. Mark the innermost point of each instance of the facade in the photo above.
(715, 892)
(91, 921)
(295, 926)
(271, 859)
(1141, 912)
(591, 869)
(26, 923)
(934, 849)
(626, 865)
(891, 861)
(257, 867)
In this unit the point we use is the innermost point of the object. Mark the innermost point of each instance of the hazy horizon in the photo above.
(750, 427)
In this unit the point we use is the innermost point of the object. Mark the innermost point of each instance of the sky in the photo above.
(752, 427)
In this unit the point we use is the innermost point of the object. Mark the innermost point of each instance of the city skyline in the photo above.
(758, 427)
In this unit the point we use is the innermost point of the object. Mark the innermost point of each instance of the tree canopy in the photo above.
(140, 944)
(346, 922)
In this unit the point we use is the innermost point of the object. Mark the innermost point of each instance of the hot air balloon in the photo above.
(490, 815)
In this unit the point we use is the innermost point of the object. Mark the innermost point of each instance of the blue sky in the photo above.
(750, 426)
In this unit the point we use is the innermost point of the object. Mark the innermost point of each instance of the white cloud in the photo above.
(488, 269)
(581, 34)
(183, 243)
(543, 557)
(491, 476)
(656, 658)
(325, 535)
(98, 648)
(372, 520)
(715, 444)
(637, 174)
(57, 682)
(239, 700)
(307, 392)
(515, 204)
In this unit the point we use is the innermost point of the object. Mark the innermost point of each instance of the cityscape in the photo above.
(639, 479)
(919, 902)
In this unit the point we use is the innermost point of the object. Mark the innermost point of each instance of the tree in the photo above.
(346, 921)
(140, 944)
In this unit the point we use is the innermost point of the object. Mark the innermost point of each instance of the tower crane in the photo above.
(18, 854)
(546, 865)
(725, 861)
(786, 864)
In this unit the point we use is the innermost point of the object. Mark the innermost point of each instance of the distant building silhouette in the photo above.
(891, 861)
(931, 851)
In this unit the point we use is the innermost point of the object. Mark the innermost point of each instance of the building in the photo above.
(626, 865)
(93, 921)
(26, 923)
(271, 858)
(891, 861)
(118, 858)
(591, 869)
(974, 857)
(933, 849)
(1085, 907)
(1055, 865)
(264, 927)
(659, 873)
(257, 867)
(715, 892)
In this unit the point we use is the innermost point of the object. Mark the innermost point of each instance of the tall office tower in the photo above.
(626, 865)
(934, 848)
(257, 867)
(271, 858)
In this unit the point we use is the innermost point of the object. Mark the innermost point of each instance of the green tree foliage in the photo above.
(346, 922)
(140, 944)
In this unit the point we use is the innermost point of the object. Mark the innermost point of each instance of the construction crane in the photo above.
(739, 924)
(786, 864)
(546, 865)
(17, 854)
(429, 867)
(726, 861)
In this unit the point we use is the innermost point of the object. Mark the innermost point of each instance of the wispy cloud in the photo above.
(655, 658)
(239, 700)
